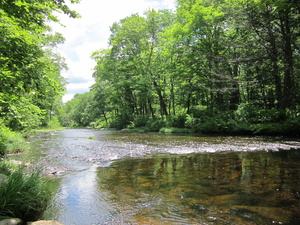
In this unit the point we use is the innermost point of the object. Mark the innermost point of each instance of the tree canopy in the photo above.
(219, 65)
(31, 85)
(216, 66)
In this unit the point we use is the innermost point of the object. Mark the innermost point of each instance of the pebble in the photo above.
(11, 221)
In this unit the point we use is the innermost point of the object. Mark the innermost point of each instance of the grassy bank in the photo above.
(11, 142)
(23, 193)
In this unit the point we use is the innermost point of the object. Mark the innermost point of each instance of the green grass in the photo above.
(23, 194)
(47, 129)
(169, 130)
(11, 142)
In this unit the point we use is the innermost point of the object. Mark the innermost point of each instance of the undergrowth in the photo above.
(23, 194)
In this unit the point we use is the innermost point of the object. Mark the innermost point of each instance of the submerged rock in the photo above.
(45, 222)
(11, 221)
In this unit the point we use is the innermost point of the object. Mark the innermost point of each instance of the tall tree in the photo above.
(28, 70)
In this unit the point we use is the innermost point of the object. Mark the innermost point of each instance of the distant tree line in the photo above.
(215, 66)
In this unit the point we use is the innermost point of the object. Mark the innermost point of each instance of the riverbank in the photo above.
(289, 129)
(23, 192)
(263, 122)
(11, 142)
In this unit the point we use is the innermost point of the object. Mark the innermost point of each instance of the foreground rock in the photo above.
(11, 221)
(45, 222)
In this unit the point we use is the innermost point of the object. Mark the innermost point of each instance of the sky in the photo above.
(90, 33)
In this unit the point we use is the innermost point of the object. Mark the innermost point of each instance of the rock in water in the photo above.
(45, 222)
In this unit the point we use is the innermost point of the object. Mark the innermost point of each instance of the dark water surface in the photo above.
(104, 177)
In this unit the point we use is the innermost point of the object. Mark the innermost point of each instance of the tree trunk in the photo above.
(163, 106)
(289, 85)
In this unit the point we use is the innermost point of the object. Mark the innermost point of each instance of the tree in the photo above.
(28, 68)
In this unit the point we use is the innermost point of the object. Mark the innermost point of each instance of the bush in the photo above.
(170, 130)
(119, 122)
(11, 142)
(140, 121)
(23, 115)
(221, 122)
(22, 195)
(178, 121)
(155, 124)
(198, 111)
(253, 114)
(54, 123)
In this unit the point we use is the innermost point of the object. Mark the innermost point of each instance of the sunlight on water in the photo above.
(123, 178)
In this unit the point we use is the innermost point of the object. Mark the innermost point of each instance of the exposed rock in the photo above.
(20, 163)
(11, 221)
(2, 179)
(44, 222)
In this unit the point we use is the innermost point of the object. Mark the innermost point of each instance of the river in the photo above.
(109, 177)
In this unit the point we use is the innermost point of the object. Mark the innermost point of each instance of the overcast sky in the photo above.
(91, 32)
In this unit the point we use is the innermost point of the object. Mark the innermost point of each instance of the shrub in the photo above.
(178, 121)
(198, 111)
(140, 121)
(119, 122)
(54, 123)
(253, 114)
(23, 194)
(155, 124)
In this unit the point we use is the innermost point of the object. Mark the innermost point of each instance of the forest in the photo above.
(218, 66)
(31, 85)
(209, 67)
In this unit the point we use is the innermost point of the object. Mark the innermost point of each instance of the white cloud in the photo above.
(91, 32)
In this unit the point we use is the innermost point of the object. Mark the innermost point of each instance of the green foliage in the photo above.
(54, 123)
(23, 194)
(253, 114)
(31, 85)
(172, 130)
(11, 142)
(77, 112)
(140, 121)
(119, 122)
(155, 124)
(212, 66)
(289, 127)
(178, 121)
(22, 114)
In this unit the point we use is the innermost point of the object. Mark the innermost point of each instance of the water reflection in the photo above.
(167, 179)
(215, 188)
(78, 201)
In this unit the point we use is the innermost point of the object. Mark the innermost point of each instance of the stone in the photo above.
(11, 221)
(44, 222)
(2, 178)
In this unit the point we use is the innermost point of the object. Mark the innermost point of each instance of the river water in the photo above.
(108, 177)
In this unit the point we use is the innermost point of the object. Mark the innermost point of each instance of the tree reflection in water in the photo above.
(207, 188)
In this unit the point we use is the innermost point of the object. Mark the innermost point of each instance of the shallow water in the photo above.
(104, 177)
